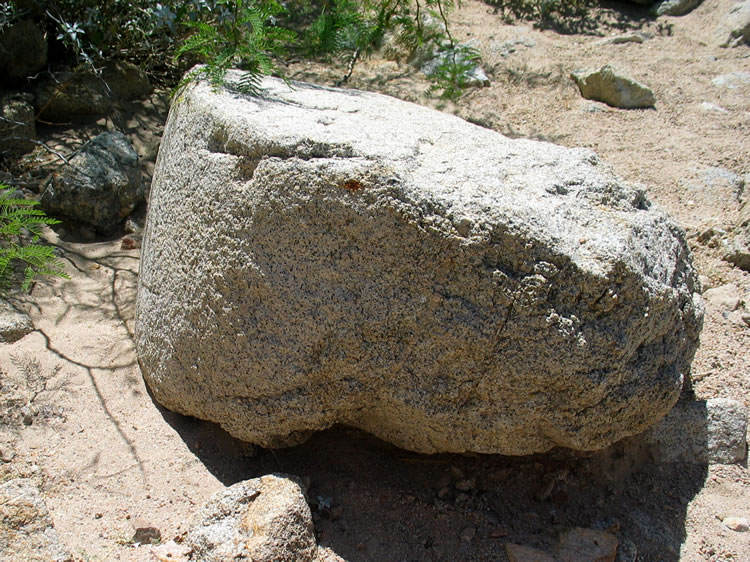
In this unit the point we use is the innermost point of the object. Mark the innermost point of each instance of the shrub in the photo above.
(20, 222)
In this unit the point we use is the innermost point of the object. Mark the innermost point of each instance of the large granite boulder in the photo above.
(317, 256)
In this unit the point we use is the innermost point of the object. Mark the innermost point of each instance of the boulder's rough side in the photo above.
(318, 256)
(614, 88)
(101, 185)
(265, 518)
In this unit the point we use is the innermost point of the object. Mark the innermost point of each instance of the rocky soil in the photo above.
(78, 422)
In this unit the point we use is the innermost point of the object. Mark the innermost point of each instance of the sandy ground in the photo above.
(108, 458)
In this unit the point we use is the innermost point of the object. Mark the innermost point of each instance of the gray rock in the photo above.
(126, 81)
(735, 29)
(632, 37)
(712, 108)
(26, 530)
(675, 7)
(726, 297)
(732, 80)
(737, 247)
(613, 88)
(23, 51)
(511, 46)
(17, 125)
(265, 518)
(14, 324)
(83, 92)
(703, 431)
(320, 256)
(100, 187)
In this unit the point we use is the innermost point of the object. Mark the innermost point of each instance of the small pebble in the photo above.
(739, 524)
(467, 535)
(466, 484)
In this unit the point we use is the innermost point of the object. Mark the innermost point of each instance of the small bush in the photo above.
(20, 222)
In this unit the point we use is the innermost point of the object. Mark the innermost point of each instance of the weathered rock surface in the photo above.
(610, 86)
(735, 29)
(100, 187)
(737, 248)
(701, 431)
(318, 256)
(26, 530)
(13, 324)
(17, 127)
(265, 518)
(82, 92)
(732, 80)
(23, 51)
(675, 7)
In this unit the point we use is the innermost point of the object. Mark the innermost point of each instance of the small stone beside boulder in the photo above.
(736, 249)
(17, 125)
(675, 7)
(610, 86)
(14, 324)
(23, 51)
(701, 431)
(265, 518)
(100, 186)
(26, 529)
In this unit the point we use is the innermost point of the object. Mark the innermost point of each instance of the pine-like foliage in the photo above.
(240, 34)
(20, 222)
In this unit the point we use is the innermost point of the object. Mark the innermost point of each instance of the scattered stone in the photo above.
(737, 248)
(348, 257)
(735, 29)
(726, 297)
(67, 93)
(712, 108)
(739, 524)
(171, 552)
(704, 431)
(732, 80)
(466, 485)
(14, 324)
(23, 51)
(511, 46)
(632, 37)
(578, 545)
(26, 529)
(125, 81)
(468, 534)
(521, 553)
(146, 534)
(100, 187)
(17, 126)
(265, 518)
(613, 88)
(444, 492)
(675, 7)
(746, 318)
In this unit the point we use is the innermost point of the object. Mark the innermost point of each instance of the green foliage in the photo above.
(453, 72)
(243, 34)
(20, 222)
